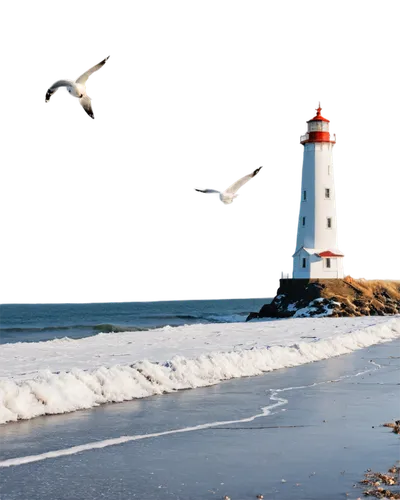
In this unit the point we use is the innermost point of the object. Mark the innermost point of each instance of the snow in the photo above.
(65, 375)
(311, 311)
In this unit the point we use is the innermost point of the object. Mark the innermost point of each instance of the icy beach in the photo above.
(66, 375)
(307, 432)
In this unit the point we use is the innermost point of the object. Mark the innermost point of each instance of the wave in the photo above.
(104, 328)
(231, 318)
(110, 328)
(226, 318)
(62, 392)
(114, 328)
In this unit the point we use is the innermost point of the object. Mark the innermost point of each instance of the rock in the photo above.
(252, 315)
(276, 309)
(269, 309)
(332, 297)
(359, 302)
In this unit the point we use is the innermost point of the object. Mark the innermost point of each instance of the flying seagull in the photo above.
(229, 194)
(77, 88)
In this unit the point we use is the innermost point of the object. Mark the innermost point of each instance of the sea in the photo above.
(111, 415)
(42, 322)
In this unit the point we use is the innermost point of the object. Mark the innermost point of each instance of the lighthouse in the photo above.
(317, 254)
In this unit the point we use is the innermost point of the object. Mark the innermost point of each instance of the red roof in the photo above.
(328, 253)
(319, 114)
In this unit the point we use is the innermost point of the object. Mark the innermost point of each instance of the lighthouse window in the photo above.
(304, 262)
(328, 262)
(329, 222)
(304, 195)
(304, 221)
(329, 170)
(327, 193)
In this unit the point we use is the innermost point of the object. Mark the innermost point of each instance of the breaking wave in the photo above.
(104, 328)
(62, 392)
(158, 320)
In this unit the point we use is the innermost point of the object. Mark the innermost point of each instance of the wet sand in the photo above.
(323, 432)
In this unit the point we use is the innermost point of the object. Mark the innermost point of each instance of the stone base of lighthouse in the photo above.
(302, 298)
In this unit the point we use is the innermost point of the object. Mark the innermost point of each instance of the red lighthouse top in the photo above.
(316, 129)
(319, 114)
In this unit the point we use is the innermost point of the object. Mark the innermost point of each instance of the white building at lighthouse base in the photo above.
(309, 263)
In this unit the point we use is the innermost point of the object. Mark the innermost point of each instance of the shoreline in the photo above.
(109, 372)
(316, 444)
(383, 484)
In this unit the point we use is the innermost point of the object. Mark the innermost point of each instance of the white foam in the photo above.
(50, 392)
(231, 318)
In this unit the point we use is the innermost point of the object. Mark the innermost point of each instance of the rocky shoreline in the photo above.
(378, 484)
(302, 298)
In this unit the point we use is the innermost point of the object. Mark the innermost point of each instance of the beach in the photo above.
(66, 375)
(289, 408)
(320, 431)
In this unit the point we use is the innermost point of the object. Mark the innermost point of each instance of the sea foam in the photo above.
(48, 392)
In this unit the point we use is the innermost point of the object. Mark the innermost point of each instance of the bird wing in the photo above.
(64, 84)
(238, 184)
(207, 191)
(86, 104)
(257, 171)
(83, 78)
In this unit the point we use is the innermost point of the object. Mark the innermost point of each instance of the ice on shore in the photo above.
(65, 375)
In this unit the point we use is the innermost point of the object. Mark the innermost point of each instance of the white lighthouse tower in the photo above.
(317, 255)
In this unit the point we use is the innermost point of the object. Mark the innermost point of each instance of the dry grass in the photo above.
(366, 288)
(361, 296)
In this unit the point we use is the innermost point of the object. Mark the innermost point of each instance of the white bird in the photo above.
(77, 88)
(229, 194)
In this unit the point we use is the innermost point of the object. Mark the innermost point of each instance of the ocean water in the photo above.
(41, 322)
(60, 440)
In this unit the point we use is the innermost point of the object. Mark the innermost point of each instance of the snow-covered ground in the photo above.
(66, 375)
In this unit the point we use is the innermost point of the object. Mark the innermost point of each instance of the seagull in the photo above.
(229, 194)
(78, 88)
